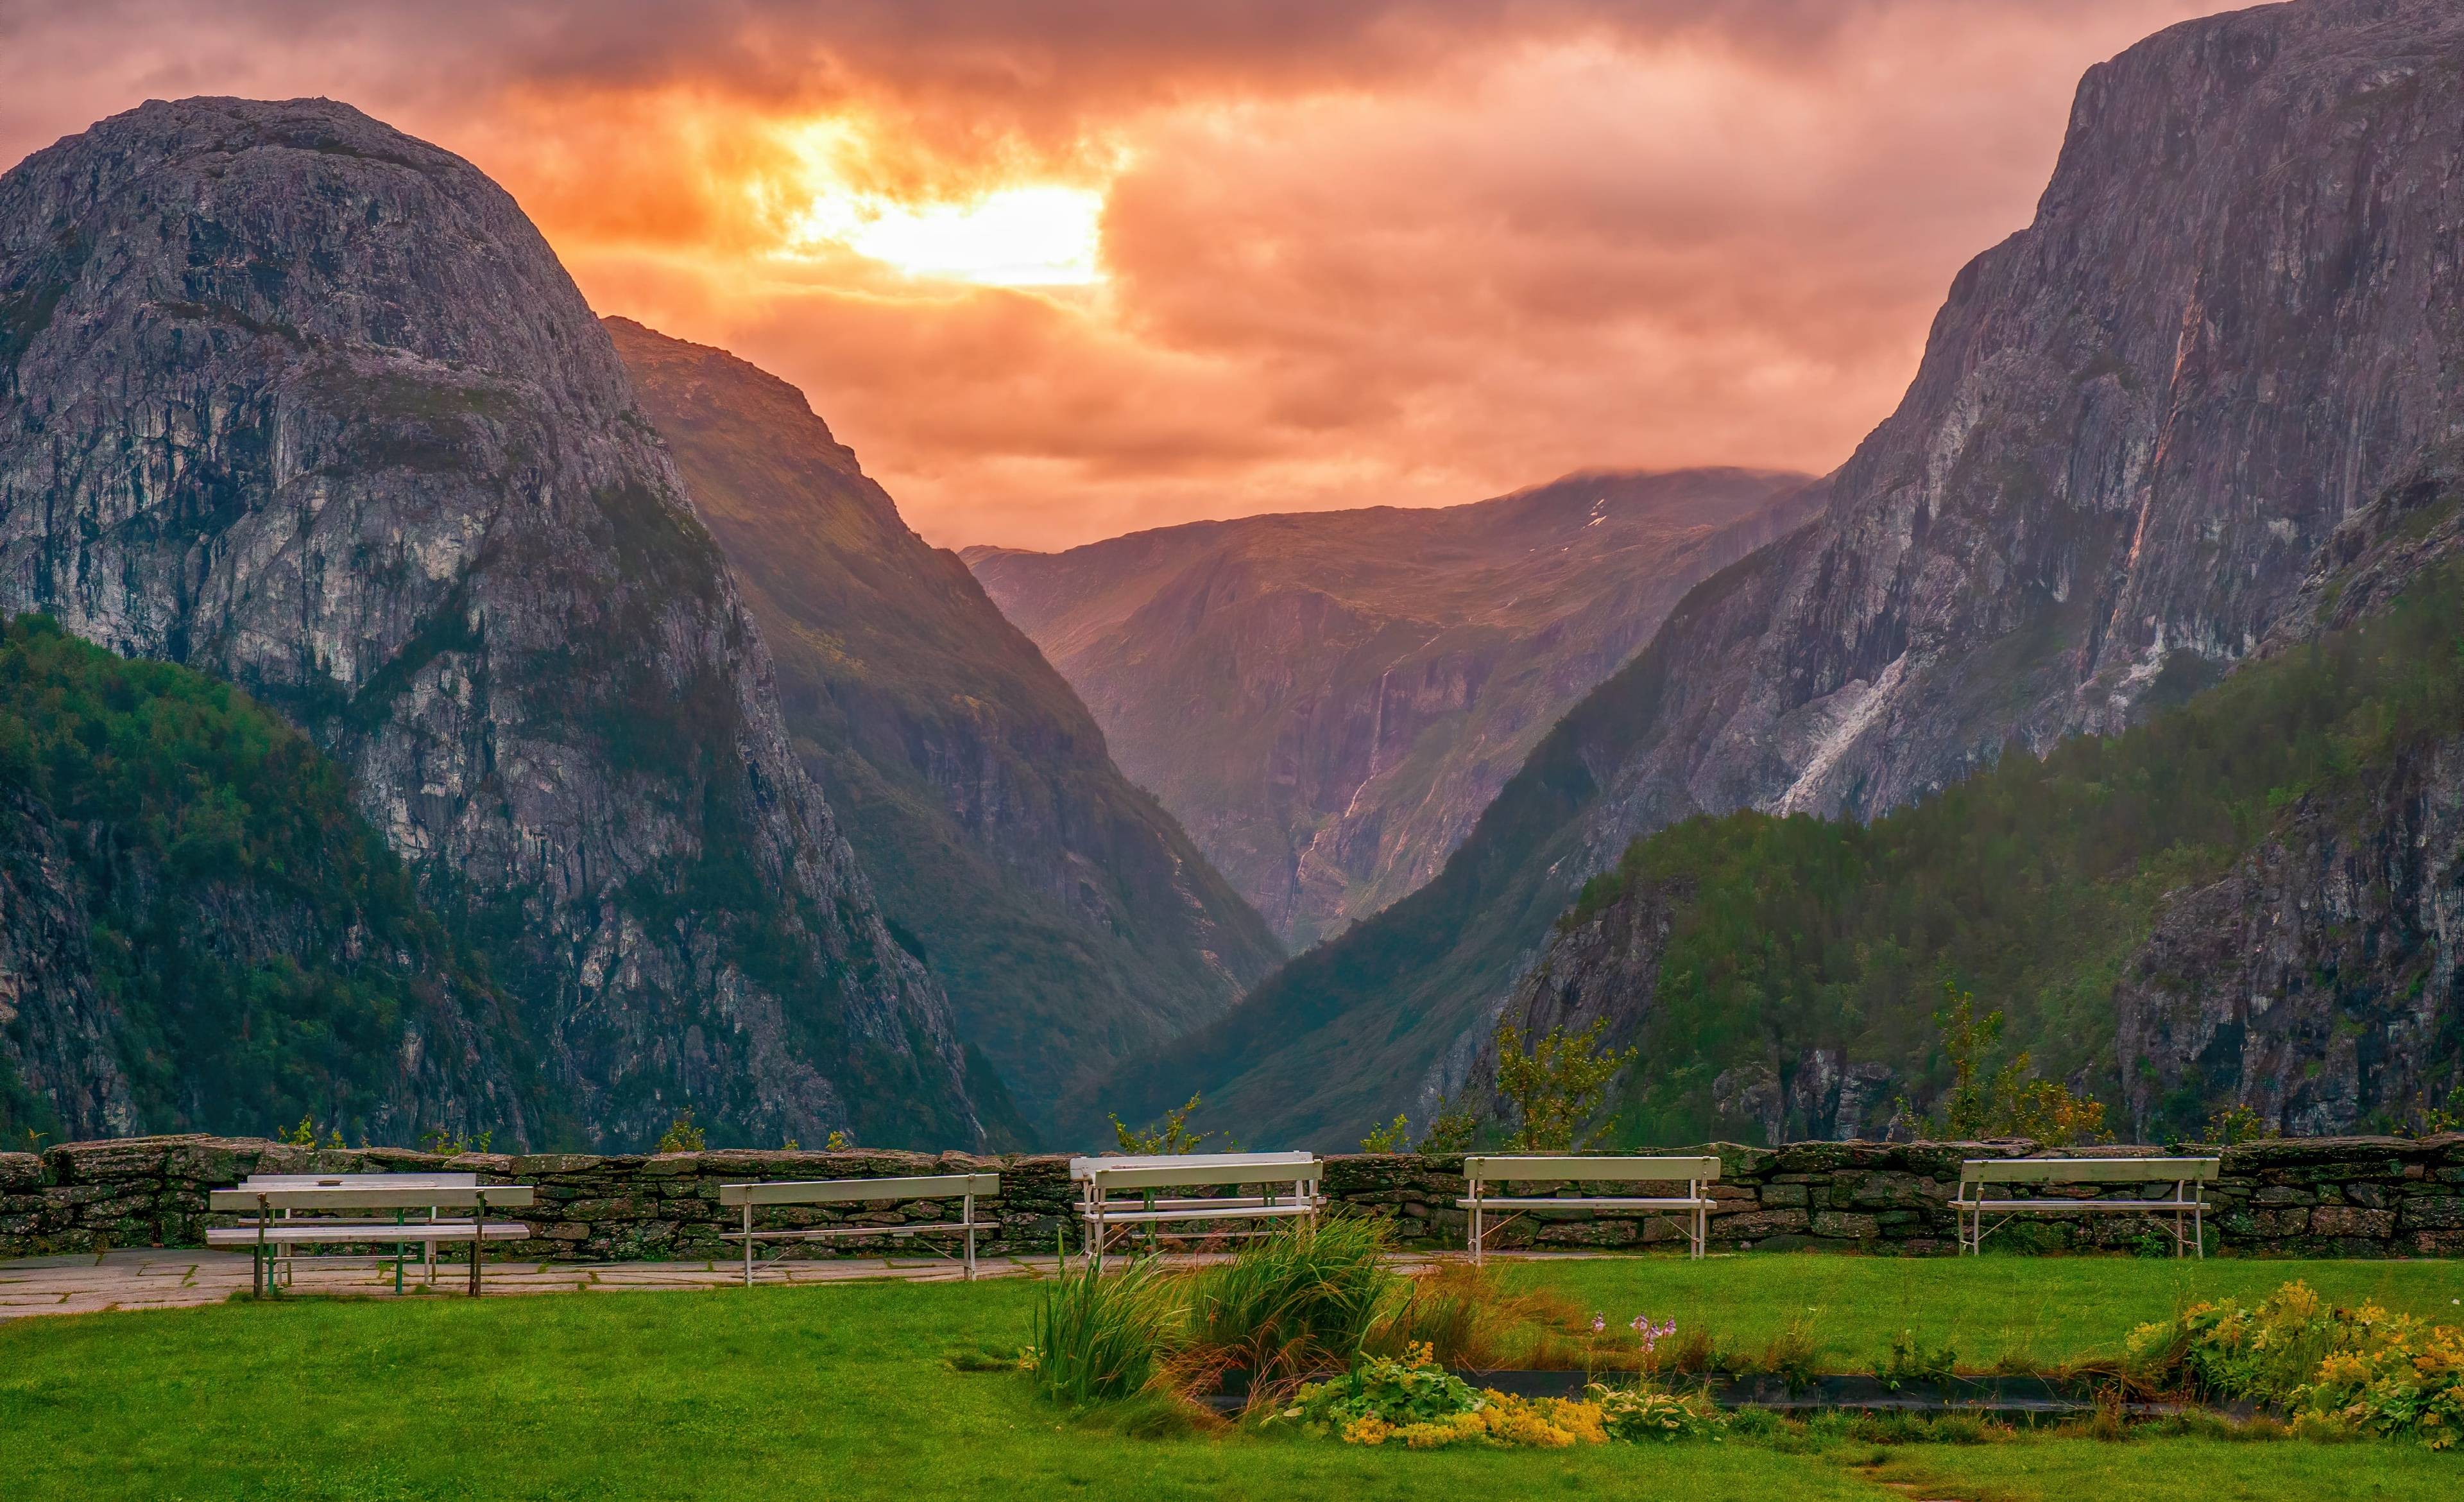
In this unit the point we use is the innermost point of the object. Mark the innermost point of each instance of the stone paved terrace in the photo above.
(167, 1278)
(88, 1283)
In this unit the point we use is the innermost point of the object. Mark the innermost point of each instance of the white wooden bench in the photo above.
(279, 1230)
(1120, 1193)
(2188, 1178)
(965, 1188)
(1694, 1206)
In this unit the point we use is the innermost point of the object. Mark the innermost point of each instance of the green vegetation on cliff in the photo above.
(2033, 882)
(250, 952)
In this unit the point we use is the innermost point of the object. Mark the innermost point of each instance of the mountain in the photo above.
(199, 933)
(1070, 919)
(296, 399)
(1328, 699)
(2230, 327)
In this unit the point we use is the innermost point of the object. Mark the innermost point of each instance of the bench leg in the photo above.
(968, 1206)
(748, 1245)
(474, 1265)
(1475, 1233)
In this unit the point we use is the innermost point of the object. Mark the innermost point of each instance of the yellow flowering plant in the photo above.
(2359, 1369)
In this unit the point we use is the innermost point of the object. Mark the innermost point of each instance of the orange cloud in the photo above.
(1403, 252)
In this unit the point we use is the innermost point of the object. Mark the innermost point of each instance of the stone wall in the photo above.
(2363, 1197)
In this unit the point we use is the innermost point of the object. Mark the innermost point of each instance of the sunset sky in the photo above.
(1062, 270)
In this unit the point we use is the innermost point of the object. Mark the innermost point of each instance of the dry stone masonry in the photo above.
(2358, 1197)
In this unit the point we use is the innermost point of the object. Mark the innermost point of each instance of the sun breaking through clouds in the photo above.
(1066, 269)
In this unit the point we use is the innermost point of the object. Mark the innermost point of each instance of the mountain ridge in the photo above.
(1327, 699)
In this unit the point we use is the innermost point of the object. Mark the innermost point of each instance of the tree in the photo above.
(2010, 1101)
(1557, 1087)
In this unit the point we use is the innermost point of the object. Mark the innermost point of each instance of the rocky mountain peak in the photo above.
(291, 397)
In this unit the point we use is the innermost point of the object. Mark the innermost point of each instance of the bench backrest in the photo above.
(1104, 1174)
(1574, 1169)
(843, 1191)
(2089, 1170)
(370, 1195)
(360, 1181)
(1081, 1167)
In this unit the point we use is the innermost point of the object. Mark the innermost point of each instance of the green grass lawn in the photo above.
(843, 1391)
(2035, 1310)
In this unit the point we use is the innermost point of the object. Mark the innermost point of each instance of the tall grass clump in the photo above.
(1468, 1316)
(1298, 1301)
(1100, 1338)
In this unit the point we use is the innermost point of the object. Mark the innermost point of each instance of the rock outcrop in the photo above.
(2232, 324)
(292, 398)
(1070, 919)
(1328, 699)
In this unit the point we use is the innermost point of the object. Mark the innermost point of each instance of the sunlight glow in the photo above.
(1038, 236)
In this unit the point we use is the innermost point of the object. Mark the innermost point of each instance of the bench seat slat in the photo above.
(817, 1232)
(1201, 1203)
(298, 1233)
(844, 1191)
(1115, 1216)
(2061, 1204)
(1587, 1203)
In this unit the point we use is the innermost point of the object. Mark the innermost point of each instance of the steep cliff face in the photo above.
(1071, 920)
(2315, 981)
(198, 930)
(292, 398)
(1329, 699)
(2315, 984)
(2233, 322)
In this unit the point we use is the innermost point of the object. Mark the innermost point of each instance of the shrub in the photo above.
(2356, 1369)
(1395, 1136)
(2225, 1351)
(1449, 1131)
(1169, 1135)
(1910, 1361)
(1393, 1392)
(1413, 1400)
(681, 1136)
(1102, 1338)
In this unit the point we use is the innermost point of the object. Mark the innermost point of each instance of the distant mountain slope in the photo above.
(1071, 920)
(2238, 904)
(2232, 324)
(199, 933)
(291, 397)
(1328, 699)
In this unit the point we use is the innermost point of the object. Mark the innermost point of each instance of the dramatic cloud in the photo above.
(1060, 269)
